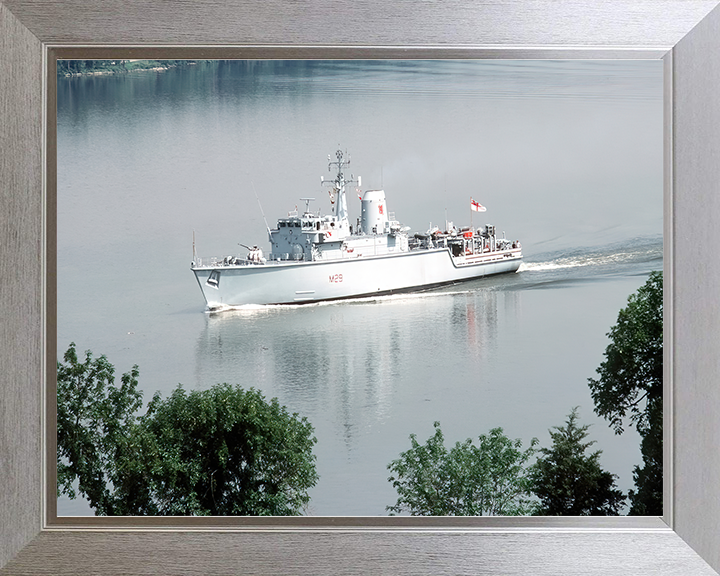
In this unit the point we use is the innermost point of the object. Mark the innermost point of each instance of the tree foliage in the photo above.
(222, 451)
(94, 418)
(629, 386)
(570, 482)
(647, 498)
(226, 451)
(469, 480)
(630, 378)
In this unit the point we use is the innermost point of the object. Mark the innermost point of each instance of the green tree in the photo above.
(570, 482)
(498, 483)
(94, 419)
(425, 479)
(226, 451)
(222, 451)
(647, 499)
(629, 387)
(468, 480)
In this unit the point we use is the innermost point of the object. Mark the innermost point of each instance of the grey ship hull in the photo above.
(305, 282)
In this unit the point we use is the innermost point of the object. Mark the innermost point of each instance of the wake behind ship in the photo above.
(317, 257)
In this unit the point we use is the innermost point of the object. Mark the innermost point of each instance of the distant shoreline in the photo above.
(76, 68)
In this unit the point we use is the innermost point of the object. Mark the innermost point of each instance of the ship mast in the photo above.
(338, 185)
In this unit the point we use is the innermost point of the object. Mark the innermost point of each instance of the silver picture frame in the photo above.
(685, 34)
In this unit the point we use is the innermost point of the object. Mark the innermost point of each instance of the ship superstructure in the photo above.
(315, 257)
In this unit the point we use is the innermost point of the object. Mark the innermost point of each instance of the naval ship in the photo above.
(315, 257)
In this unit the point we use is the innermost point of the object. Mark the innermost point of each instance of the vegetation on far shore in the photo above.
(100, 67)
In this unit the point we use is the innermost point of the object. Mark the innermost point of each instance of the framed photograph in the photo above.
(338, 312)
(42, 541)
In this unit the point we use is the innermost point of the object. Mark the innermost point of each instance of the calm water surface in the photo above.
(567, 157)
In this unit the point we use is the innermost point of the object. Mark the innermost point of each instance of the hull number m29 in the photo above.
(336, 278)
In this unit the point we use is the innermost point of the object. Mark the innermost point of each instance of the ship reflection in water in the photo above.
(365, 373)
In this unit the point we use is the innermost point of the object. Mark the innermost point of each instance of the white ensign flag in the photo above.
(476, 206)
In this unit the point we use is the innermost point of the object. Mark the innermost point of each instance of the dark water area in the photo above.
(567, 157)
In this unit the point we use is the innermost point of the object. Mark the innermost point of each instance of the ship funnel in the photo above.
(374, 218)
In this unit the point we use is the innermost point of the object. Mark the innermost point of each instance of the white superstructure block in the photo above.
(374, 217)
